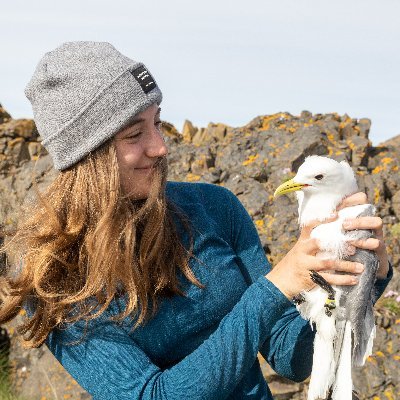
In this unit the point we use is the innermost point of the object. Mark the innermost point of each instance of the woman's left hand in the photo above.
(377, 243)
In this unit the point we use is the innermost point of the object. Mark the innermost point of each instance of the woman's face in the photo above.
(138, 147)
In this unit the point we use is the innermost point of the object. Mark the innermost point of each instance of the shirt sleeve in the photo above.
(289, 346)
(109, 364)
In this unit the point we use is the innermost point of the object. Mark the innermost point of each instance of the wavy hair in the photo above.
(83, 243)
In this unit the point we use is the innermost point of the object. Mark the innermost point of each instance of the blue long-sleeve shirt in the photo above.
(202, 346)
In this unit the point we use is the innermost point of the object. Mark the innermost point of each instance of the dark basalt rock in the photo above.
(251, 161)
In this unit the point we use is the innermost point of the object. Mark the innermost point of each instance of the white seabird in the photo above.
(343, 315)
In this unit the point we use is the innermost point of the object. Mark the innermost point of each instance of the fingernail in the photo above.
(359, 267)
(354, 280)
(333, 215)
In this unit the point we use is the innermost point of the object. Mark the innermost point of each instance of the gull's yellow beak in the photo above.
(289, 186)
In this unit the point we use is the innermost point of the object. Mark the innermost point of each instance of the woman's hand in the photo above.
(375, 223)
(292, 274)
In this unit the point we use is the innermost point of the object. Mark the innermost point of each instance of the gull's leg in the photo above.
(330, 303)
(298, 299)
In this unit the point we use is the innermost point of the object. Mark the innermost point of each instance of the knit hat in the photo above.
(82, 94)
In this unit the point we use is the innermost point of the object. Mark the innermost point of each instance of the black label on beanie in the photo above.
(144, 78)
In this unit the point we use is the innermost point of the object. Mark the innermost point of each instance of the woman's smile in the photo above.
(139, 148)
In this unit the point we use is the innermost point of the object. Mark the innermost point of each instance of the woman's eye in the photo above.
(133, 136)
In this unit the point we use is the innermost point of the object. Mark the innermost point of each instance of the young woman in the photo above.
(144, 288)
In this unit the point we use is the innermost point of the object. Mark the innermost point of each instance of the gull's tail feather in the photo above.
(363, 346)
(342, 387)
(323, 376)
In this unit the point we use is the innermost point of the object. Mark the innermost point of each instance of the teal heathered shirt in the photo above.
(202, 346)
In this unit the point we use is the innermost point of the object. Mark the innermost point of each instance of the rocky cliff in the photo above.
(251, 161)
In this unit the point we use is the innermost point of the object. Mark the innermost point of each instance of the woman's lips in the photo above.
(144, 170)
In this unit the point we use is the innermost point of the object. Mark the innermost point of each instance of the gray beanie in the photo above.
(82, 94)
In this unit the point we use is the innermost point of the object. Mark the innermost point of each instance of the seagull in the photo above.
(343, 315)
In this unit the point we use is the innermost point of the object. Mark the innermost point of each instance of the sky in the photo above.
(226, 61)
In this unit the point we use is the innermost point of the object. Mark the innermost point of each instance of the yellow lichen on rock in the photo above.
(389, 347)
(377, 169)
(376, 195)
(389, 394)
(387, 160)
(13, 142)
(250, 160)
(192, 177)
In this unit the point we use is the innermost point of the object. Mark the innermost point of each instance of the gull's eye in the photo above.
(318, 177)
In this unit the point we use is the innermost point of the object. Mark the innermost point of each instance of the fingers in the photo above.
(338, 265)
(349, 266)
(368, 244)
(310, 246)
(375, 223)
(336, 279)
(353, 200)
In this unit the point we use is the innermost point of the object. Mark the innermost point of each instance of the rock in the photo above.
(38, 375)
(305, 115)
(4, 115)
(359, 150)
(307, 141)
(347, 131)
(170, 130)
(364, 125)
(393, 142)
(36, 150)
(200, 137)
(213, 133)
(251, 161)
(24, 128)
(217, 131)
(396, 204)
(188, 131)
(18, 150)
(284, 390)
(251, 193)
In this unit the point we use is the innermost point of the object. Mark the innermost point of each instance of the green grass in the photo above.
(395, 230)
(391, 305)
(5, 384)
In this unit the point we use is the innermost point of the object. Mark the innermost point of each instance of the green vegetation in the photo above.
(5, 385)
(391, 305)
(395, 230)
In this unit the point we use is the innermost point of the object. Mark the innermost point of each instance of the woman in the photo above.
(143, 288)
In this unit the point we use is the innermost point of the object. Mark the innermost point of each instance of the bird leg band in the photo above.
(330, 303)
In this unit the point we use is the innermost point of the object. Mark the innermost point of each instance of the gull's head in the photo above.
(320, 185)
(321, 175)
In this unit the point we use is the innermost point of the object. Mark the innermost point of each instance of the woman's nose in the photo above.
(156, 146)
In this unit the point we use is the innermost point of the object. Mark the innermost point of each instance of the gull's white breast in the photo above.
(332, 237)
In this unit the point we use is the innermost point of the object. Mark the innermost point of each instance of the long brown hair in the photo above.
(83, 240)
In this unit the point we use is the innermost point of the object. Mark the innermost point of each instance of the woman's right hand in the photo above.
(292, 274)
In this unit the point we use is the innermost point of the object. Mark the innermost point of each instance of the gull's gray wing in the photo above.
(358, 299)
